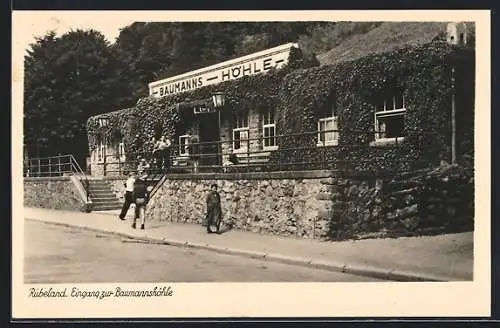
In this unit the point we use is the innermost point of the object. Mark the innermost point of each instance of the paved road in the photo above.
(59, 254)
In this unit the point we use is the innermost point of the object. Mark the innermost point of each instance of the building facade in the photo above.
(396, 110)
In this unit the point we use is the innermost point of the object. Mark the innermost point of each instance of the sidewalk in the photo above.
(436, 258)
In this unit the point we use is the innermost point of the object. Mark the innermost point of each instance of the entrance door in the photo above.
(209, 132)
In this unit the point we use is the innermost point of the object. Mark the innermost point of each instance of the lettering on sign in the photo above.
(203, 110)
(253, 64)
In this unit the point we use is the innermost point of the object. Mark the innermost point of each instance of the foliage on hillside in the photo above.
(386, 37)
(323, 38)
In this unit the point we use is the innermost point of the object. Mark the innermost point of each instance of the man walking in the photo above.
(129, 189)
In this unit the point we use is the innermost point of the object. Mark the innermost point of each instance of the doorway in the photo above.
(209, 136)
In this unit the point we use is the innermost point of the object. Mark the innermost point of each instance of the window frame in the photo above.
(241, 149)
(240, 117)
(121, 151)
(241, 124)
(334, 141)
(103, 121)
(268, 122)
(391, 112)
(184, 153)
(101, 151)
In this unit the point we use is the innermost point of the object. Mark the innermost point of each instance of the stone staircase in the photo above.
(102, 196)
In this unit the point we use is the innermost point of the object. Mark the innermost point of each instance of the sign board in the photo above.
(204, 110)
(256, 63)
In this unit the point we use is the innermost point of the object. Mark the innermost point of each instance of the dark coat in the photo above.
(140, 190)
(214, 210)
(233, 158)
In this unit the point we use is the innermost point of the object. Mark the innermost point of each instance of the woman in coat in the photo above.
(214, 210)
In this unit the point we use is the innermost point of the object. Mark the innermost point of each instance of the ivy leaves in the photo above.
(173, 114)
(301, 96)
(422, 74)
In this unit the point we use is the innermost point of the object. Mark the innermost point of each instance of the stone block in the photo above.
(328, 181)
(325, 214)
(336, 196)
(324, 196)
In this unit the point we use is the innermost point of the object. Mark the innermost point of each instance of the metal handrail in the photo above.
(82, 176)
(157, 186)
(247, 158)
(59, 165)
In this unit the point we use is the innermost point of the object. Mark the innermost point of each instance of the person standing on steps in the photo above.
(129, 189)
(140, 198)
(214, 210)
(162, 153)
(142, 167)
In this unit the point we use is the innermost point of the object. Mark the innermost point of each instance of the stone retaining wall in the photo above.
(283, 203)
(117, 186)
(57, 193)
(446, 198)
(307, 204)
(320, 204)
(418, 203)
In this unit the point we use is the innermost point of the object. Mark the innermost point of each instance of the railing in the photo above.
(56, 166)
(252, 156)
(157, 185)
(79, 173)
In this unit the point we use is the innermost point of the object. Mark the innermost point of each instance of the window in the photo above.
(240, 132)
(269, 130)
(184, 145)
(101, 150)
(327, 128)
(389, 121)
(327, 137)
(103, 122)
(121, 151)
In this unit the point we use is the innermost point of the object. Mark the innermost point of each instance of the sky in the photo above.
(29, 24)
(62, 22)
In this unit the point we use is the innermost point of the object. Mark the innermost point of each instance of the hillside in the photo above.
(385, 37)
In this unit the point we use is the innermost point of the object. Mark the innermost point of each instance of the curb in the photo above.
(359, 270)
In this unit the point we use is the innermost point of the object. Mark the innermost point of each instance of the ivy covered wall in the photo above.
(357, 89)
(301, 95)
(171, 115)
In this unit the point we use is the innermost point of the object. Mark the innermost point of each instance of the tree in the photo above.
(67, 80)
